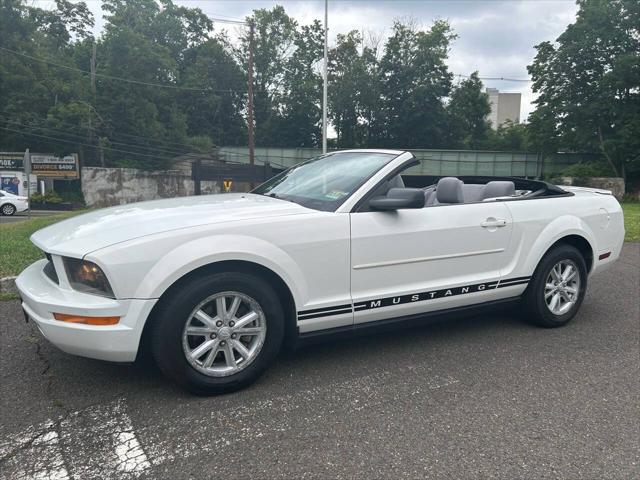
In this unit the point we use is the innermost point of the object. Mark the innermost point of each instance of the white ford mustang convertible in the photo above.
(215, 285)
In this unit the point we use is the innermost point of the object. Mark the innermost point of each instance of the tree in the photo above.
(588, 83)
(415, 81)
(302, 90)
(468, 109)
(42, 93)
(509, 136)
(354, 91)
(274, 38)
(216, 113)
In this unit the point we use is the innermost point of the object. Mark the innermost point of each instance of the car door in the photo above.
(412, 261)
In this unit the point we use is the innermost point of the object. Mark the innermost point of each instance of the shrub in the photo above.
(49, 197)
(587, 169)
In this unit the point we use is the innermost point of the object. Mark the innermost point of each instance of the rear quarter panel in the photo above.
(539, 223)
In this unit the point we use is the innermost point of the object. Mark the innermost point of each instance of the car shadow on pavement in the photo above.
(80, 377)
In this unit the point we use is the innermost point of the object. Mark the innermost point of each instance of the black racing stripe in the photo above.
(324, 309)
(325, 314)
(514, 279)
(513, 284)
(410, 298)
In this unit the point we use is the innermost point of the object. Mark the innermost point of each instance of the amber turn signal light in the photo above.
(63, 317)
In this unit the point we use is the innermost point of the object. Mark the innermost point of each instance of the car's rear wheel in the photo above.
(557, 288)
(8, 209)
(218, 333)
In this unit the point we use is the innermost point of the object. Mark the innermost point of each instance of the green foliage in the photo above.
(49, 197)
(588, 85)
(468, 110)
(588, 169)
(169, 83)
(414, 82)
(74, 197)
(631, 221)
(16, 251)
(184, 83)
(511, 137)
(354, 92)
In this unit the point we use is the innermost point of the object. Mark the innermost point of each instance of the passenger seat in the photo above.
(452, 190)
(498, 189)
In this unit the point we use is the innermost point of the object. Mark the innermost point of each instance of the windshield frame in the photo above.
(327, 206)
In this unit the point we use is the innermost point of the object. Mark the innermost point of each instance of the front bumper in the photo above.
(41, 297)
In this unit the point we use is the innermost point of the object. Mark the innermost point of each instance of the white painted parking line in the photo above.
(45, 461)
(101, 442)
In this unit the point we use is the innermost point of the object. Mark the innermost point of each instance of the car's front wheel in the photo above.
(8, 209)
(218, 333)
(557, 288)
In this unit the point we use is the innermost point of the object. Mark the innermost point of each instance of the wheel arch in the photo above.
(581, 244)
(281, 288)
(568, 230)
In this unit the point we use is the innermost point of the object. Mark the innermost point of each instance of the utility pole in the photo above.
(250, 99)
(324, 86)
(93, 70)
(26, 164)
(93, 102)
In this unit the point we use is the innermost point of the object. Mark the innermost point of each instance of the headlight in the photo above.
(87, 277)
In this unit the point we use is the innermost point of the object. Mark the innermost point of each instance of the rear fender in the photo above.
(556, 230)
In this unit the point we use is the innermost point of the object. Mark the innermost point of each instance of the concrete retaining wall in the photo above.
(103, 187)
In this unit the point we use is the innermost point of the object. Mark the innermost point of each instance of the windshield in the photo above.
(325, 182)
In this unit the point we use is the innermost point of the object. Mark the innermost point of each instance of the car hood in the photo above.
(92, 231)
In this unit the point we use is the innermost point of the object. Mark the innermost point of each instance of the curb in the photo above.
(8, 285)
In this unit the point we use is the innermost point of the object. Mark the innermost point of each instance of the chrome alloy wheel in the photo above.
(562, 289)
(224, 334)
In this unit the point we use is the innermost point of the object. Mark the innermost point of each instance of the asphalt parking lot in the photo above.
(484, 397)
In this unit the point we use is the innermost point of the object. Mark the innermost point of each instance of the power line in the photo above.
(223, 20)
(506, 79)
(128, 80)
(112, 132)
(113, 142)
(176, 153)
(55, 139)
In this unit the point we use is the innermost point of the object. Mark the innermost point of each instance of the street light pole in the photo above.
(250, 98)
(324, 86)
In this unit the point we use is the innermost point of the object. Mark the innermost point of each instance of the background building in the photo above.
(504, 106)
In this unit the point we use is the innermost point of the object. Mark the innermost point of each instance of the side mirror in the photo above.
(399, 198)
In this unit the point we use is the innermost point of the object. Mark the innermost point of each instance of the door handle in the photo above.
(494, 223)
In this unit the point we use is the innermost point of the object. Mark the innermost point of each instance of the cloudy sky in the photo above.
(494, 37)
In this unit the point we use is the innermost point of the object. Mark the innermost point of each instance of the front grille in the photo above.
(49, 270)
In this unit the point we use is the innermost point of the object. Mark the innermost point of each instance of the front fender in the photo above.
(207, 250)
(560, 227)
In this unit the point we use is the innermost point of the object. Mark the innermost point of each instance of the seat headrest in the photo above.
(396, 182)
(449, 190)
(499, 189)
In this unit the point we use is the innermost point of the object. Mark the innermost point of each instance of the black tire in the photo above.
(8, 209)
(534, 298)
(174, 311)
